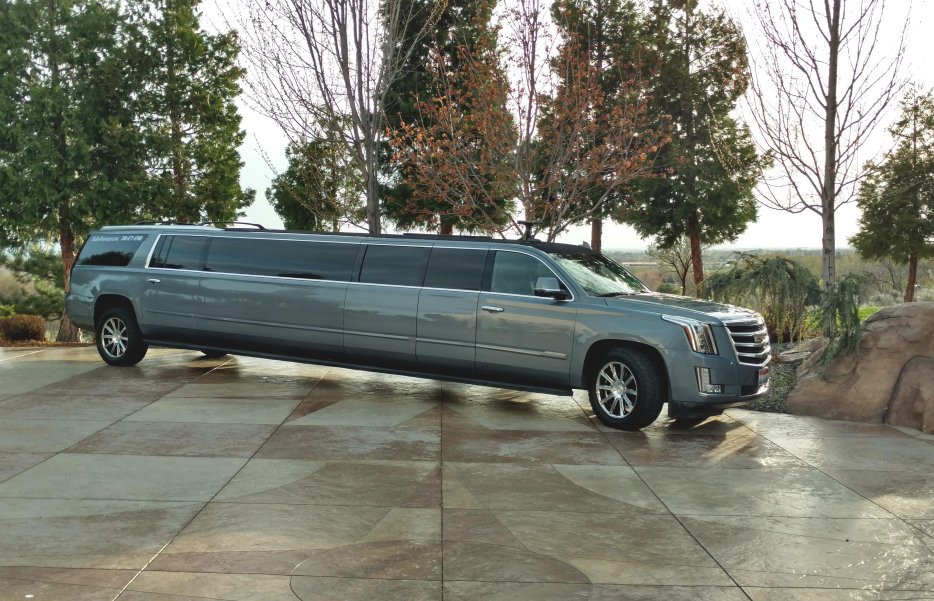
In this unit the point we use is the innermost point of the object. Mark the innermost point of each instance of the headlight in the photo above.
(698, 333)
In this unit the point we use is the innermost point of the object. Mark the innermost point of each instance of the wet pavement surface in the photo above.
(242, 479)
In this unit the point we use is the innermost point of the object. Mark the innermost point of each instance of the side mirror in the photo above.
(551, 288)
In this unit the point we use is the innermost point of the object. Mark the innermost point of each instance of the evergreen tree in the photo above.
(319, 190)
(464, 40)
(706, 174)
(897, 199)
(605, 36)
(71, 154)
(189, 82)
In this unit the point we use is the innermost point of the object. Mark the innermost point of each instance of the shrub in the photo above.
(22, 328)
(668, 288)
(839, 314)
(777, 287)
(6, 311)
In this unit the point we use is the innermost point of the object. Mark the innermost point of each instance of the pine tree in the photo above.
(189, 80)
(897, 199)
(710, 167)
(319, 190)
(71, 154)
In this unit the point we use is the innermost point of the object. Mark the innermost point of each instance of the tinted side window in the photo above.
(516, 273)
(180, 252)
(397, 265)
(114, 250)
(282, 258)
(455, 268)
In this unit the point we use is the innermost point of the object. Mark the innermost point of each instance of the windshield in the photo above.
(597, 275)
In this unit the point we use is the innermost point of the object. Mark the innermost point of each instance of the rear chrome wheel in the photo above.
(114, 339)
(119, 340)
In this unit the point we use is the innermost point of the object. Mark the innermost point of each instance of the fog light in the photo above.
(703, 382)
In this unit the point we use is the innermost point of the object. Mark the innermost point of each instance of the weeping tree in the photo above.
(779, 288)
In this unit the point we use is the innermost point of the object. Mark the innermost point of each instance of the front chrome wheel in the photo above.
(114, 338)
(617, 389)
(626, 388)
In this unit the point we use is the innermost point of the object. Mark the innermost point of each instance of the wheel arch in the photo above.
(105, 302)
(598, 349)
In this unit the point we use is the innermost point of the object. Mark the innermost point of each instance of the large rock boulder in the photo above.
(889, 380)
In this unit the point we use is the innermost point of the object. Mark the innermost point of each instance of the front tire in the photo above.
(119, 339)
(625, 389)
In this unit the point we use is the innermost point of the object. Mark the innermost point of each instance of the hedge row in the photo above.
(22, 328)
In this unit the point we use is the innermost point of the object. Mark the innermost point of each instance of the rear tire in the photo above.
(625, 389)
(119, 339)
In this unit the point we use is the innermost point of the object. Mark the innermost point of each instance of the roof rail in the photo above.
(418, 235)
(256, 225)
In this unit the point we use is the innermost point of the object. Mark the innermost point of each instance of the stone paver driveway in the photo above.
(241, 479)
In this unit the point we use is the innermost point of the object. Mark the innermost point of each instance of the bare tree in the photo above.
(578, 147)
(676, 259)
(323, 68)
(530, 34)
(822, 68)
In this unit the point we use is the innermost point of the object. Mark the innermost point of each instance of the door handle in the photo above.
(492, 309)
(153, 280)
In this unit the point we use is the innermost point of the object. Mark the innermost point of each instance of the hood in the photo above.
(685, 306)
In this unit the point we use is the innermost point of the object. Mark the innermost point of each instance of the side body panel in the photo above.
(380, 324)
(302, 317)
(447, 331)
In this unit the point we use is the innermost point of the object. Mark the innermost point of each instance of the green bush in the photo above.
(7, 311)
(22, 328)
(668, 288)
(777, 287)
(839, 316)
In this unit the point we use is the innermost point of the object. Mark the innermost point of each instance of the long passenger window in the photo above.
(396, 265)
(282, 258)
(516, 273)
(180, 252)
(455, 268)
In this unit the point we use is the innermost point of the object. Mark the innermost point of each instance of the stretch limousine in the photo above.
(515, 314)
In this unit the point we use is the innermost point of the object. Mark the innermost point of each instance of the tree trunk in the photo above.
(372, 189)
(829, 191)
(447, 229)
(697, 262)
(596, 234)
(912, 277)
(176, 139)
(67, 332)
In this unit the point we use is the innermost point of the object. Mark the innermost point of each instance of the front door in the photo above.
(521, 337)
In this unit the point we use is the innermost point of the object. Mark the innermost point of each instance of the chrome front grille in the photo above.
(751, 341)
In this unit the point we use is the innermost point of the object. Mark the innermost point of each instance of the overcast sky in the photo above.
(263, 150)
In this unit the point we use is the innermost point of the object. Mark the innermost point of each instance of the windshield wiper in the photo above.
(612, 294)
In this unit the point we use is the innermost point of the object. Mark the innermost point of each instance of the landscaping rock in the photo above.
(889, 380)
(913, 401)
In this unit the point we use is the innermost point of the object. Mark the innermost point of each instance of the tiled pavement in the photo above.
(241, 479)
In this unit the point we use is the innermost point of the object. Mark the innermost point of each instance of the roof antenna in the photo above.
(527, 234)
